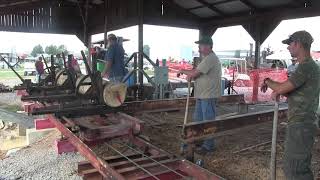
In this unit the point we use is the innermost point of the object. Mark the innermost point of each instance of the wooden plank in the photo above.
(110, 159)
(37, 18)
(45, 18)
(149, 165)
(140, 161)
(86, 169)
(9, 20)
(84, 165)
(146, 176)
(13, 20)
(30, 19)
(18, 20)
(24, 20)
(91, 174)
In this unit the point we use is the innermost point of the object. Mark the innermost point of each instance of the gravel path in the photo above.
(40, 162)
(21, 119)
(10, 99)
(12, 82)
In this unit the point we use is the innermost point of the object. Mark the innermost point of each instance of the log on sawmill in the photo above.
(83, 89)
(61, 77)
(114, 94)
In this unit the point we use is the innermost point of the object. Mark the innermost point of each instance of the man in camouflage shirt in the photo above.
(302, 90)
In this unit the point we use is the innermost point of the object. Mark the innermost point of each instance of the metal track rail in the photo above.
(161, 164)
(153, 163)
(104, 169)
(114, 149)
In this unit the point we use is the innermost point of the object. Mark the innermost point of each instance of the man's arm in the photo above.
(191, 74)
(109, 57)
(279, 88)
(107, 68)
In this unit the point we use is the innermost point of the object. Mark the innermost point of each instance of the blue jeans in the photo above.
(116, 79)
(205, 109)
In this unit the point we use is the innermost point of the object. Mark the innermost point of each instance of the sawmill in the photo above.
(114, 126)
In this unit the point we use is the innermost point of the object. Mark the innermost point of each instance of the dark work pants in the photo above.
(298, 150)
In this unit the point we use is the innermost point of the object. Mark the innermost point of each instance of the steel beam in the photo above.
(177, 103)
(140, 46)
(131, 107)
(154, 162)
(200, 130)
(212, 7)
(281, 13)
(96, 162)
(249, 4)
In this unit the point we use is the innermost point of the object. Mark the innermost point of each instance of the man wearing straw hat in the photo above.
(114, 68)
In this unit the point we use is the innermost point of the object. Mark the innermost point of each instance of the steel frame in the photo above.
(132, 107)
(159, 164)
(196, 131)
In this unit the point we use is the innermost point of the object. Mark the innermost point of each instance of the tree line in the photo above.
(51, 49)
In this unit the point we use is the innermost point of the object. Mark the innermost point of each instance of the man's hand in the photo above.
(264, 86)
(189, 78)
(275, 96)
(105, 75)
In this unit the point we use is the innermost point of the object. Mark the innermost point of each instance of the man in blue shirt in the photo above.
(114, 68)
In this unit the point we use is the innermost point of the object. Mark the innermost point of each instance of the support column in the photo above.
(89, 58)
(256, 66)
(207, 31)
(85, 23)
(106, 6)
(140, 46)
(257, 45)
(259, 34)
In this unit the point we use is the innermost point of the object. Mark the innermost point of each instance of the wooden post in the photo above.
(140, 45)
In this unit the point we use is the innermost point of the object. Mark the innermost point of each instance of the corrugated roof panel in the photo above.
(233, 7)
(204, 12)
(269, 3)
(187, 4)
(214, 1)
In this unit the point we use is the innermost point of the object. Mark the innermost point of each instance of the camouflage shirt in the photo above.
(304, 100)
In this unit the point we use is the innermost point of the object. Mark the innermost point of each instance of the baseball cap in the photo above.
(300, 36)
(205, 40)
(112, 37)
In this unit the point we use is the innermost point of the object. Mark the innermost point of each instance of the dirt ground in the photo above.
(10, 82)
(2, 154)
(164, 131)
(10, 102)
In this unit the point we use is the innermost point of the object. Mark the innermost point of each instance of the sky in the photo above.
(165, 41)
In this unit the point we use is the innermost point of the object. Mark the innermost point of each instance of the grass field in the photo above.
(9, 74)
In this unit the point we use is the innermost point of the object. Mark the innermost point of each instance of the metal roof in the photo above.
(70, 16)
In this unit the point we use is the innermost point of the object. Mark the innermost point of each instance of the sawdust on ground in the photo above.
(2, 154)
(251, 164)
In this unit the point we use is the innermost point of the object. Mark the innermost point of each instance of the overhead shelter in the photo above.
(86, 17)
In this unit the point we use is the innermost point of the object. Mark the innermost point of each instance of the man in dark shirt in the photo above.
(302, 89)
(114, 69)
